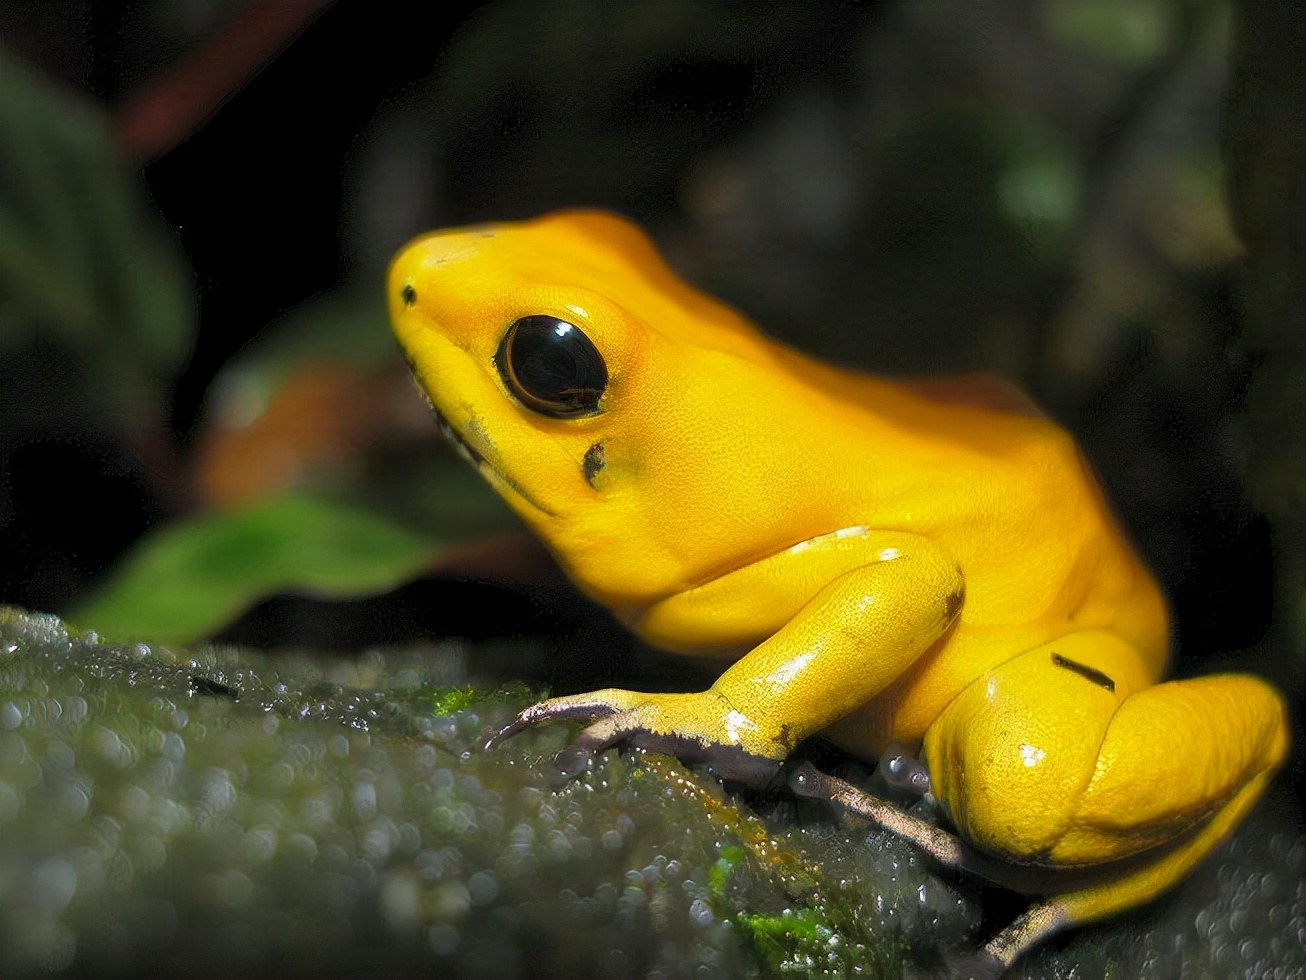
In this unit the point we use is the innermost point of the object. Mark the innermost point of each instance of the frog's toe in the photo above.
(578, 757)
(584, 708)
(979, 966)
(627, 719)
(569, 764)
(724, 761)
(731, 762)
(630, 729)
(904, 771)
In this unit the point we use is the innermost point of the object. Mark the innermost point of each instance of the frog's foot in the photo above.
(979, 966)
(943, 847)
(947, 850)
(902, 770)
(695, 728)
(580, 707)
(1035, 925)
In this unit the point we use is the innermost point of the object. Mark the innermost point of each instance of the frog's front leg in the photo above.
(897, 595)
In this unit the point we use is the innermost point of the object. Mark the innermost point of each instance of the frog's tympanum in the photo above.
(918, 563)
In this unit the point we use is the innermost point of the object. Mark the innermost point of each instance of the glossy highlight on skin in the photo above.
(926, 564)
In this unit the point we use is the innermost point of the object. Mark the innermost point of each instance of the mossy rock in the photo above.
(231, 813)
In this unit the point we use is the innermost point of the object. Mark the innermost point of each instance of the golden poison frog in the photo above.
(887, 563)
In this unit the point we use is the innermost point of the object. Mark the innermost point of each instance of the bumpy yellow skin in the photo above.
(922, 563)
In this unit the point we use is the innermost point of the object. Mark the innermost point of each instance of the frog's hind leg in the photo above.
(1063, 757)
(1132, 888)
(1115, 890)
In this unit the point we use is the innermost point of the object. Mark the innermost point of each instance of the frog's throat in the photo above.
(493, 475)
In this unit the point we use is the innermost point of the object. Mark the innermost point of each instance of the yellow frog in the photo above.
(926, 564)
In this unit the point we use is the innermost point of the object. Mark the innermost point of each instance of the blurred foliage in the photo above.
(1044, 201)
(185, 582)
(86, 268)
(82, 262)
(1132, 34)
(1265, 148)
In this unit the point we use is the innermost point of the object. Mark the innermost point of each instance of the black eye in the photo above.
(552, 367)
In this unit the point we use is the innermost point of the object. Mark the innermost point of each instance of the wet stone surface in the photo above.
(229, 813)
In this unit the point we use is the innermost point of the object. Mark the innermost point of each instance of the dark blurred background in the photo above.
(1101, 201)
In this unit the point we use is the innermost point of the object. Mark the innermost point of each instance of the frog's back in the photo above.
(1024, 514)
(980, 471)
(972, 464)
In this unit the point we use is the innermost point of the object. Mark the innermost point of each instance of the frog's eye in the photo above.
(551, 367)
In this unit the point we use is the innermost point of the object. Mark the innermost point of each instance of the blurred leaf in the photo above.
(81, 257)
(1041, 186)
(185, 581)
(307, 399)
(1131, 34)
(321, 402)
(346, 324)
(1189, 220)
(267, 441)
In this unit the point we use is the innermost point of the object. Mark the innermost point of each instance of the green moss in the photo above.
(450, 700)
(825, 934)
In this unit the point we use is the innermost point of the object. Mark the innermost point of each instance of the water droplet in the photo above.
(443, 939)
(363, 799)
(483, 887)
(233, 888)
(700, 914)
(10, 716)
(53, 884)
(401, 901)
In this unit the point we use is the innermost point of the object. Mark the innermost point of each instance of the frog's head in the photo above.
(622, 414)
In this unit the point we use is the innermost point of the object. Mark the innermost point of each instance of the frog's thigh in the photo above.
(1035, 766)
(1061, 756)
(1143, 882)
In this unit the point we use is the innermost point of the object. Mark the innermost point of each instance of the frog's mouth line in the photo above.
(461, 446)
(469, 452)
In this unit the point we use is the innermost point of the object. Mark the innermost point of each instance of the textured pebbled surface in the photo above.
(232, 813)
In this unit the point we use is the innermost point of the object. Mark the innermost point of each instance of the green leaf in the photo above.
(185, 581)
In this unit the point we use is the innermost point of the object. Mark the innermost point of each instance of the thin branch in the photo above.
(154, 118)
